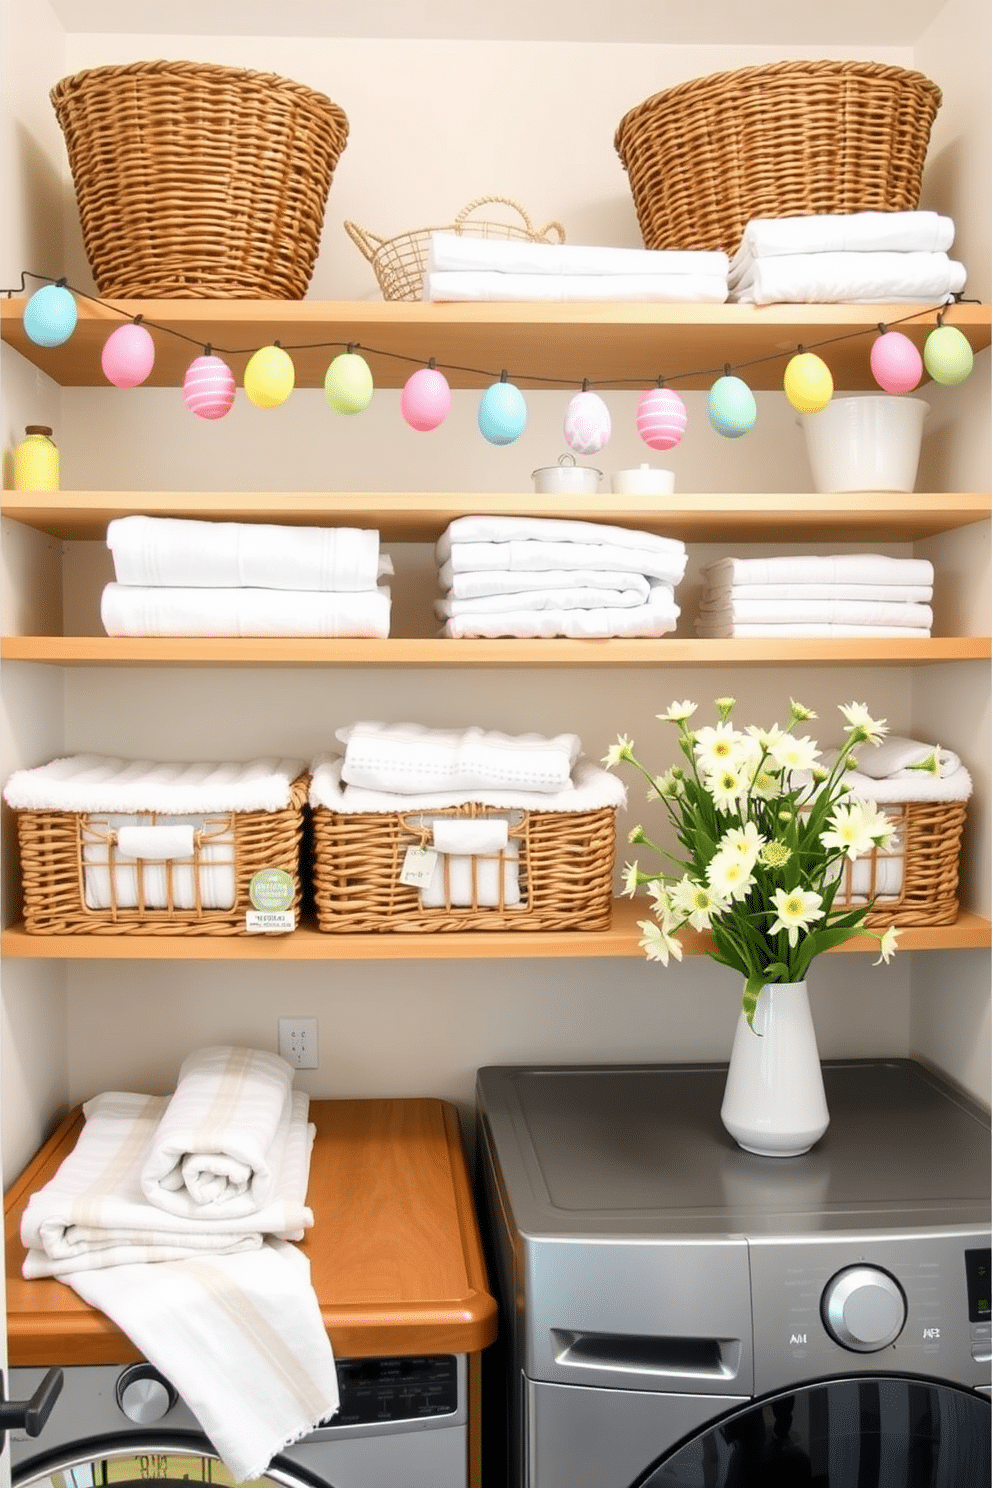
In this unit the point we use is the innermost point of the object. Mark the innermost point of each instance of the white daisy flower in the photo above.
(621, 750)
(849, 829)
(678, 712)
(729, 875)
(861, 724)
(746, 842)
(793, 753)
(696, 902)
(716, 746)
(726, 787)
(796, 910)
(657, 944)
(887, 945)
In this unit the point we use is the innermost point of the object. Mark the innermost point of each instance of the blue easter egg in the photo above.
(502, 413)
(50, 315)
(732, 408)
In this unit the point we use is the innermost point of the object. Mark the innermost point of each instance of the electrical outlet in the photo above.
(298, 1042)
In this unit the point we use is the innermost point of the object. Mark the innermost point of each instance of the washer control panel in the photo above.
(915, 1304)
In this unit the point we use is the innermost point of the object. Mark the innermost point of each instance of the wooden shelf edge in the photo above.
(969, 932)
(401, 651)
(418, 516)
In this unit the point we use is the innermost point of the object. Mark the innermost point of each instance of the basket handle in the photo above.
(483, 201)
(365, 241)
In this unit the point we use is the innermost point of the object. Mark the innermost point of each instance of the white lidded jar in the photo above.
(36, 460)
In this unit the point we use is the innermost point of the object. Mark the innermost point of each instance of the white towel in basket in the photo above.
(409, 758)
(179, 554)
(219, 1146)
(107, 783)
(590, 789)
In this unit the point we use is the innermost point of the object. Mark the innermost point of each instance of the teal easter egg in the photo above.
(502, 413)
(732, 409)
(947, 355)
(348, 385)
(50, 315)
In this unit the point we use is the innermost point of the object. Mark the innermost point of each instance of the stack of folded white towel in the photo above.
(845, 594)
(856, 258)
(416, 770)
(541, 576)
(190, 578)
(174, 1216)
(471, 268)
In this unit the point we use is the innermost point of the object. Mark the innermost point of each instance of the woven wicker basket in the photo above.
(399, 263)
(789, 139)
(195, 181)
(925, 860)
(60, 850)
(564, 869)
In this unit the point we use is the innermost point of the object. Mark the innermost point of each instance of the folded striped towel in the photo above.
(220, 1144)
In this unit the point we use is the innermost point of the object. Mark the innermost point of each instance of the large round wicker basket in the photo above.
(197, 181)
(784, 140)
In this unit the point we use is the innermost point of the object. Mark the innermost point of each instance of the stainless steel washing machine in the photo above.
(675, 1311)
(401, 1421)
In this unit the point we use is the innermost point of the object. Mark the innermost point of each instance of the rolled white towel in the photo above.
(222, 1138)
(896, 756)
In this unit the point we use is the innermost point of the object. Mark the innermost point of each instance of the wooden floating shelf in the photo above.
(419, 517)
(396, 651)
(545, 345)
(969, 932)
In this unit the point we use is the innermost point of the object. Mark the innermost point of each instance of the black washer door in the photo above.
(873, 1432)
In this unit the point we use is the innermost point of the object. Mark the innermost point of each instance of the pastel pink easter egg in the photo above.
(208, 387)
(128, 356)
(425, 400)
(896, 365)
(661, 418)
(587, 425)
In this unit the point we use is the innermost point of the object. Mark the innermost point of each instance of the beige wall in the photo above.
(434, 124)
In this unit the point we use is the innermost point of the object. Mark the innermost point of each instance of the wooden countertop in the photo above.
(395, 1254)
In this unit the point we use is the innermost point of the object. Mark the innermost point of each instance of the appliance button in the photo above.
(143, 1395)
(863, 1308)
(982, 1352)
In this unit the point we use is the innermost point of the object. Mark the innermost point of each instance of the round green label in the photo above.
(271, 888)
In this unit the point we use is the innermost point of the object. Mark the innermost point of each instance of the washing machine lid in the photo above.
(640, 1150)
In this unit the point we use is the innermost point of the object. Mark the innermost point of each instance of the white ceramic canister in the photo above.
(643, 480)
(566, 478)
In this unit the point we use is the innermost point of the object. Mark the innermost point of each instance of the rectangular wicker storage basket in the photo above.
(783, 140)
(199, 182)
(916, 882)
(76, 880)
(562, 866)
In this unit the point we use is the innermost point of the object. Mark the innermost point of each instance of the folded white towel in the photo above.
(470, 834)
(409, 758)
(896, 756)
(475, 882)
(818, 611)
(185, 863)
(835, 568)
(657, 617)
(540, 599)
(674, 289)
(483, 583)
(181, 554)
(877, 876)
(742, 630)
(104, 783)
(590, 789)
(448, 251)
(130, 610)
(495, 529)
(899, 593)
(240, 1336)
(850, 279)
(913, 785)
(844, 232)
(220, 1143)
(94, 1212)
(536, 557)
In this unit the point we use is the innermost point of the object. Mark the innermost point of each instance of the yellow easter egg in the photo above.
(270, 377)
(808, 383)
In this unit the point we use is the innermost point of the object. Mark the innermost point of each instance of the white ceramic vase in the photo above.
(774, 1103)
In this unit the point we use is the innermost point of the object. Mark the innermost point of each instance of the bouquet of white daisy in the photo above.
(764, 823)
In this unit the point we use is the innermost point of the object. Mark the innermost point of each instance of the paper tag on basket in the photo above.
(418, 867)
(271, 892)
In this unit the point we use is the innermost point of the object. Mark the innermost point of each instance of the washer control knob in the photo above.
(143, 1395)
(863, 1308)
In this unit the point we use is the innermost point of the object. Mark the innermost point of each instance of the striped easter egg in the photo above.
(208, 387)
(661, 418)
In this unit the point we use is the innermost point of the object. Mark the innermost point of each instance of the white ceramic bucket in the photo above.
(566, 479)
(865, 444)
